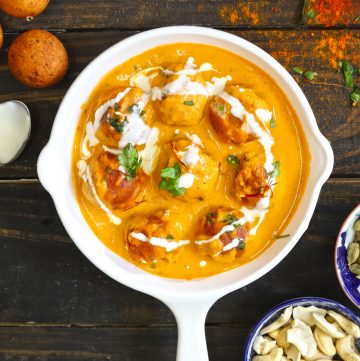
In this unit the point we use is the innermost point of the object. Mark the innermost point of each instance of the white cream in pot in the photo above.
(15, 125)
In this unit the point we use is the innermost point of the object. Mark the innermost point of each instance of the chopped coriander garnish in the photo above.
(241, 245)
(311, 13)
(210, 217)
(282, 236)
(276, 172)
(297, 70)
(355, 96)
(229, 218)
(348, 70)
(310, 75)
(170, 180)
(189, 102)
(153, 265)
(118, 126)
(233, 159)
(272, 122)
(142, 113)
(134, 108)
(169, 236)
(116, 106)
(221, 107)
(130, 160)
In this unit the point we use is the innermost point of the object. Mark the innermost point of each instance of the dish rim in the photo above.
(186, 291)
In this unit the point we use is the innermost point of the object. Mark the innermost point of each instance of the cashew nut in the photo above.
(317, 356)
(281, 321)
(324, 342)
(350, 327)
(305, 314)
(293, 353)
(263, 345)
(275, 355)
(346, 349)
(274, 334)
(303, 340)
(281, 338)
(331, 329)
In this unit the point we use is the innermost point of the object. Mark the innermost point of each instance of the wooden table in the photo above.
(54, 304)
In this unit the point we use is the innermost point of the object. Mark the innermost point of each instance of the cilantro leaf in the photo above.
(229, 218)
(170, 178)
(276, 171)
(297, 70)
(272, 122)
(355, 96)
(118, 126)
(189, 102)
(311, 13)
(116, 106)
(241, 245)
(310, 75)
(130, 160)
(233, 159)
(348, 71)
(210, 217)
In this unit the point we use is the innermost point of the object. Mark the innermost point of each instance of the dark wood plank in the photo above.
(127, 14)
(116, 344)
(45, 279)
(327, 95)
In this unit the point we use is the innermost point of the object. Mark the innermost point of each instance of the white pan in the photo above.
(188, 300)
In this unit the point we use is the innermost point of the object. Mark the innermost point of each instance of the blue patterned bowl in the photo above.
(275, 312)
(348, 281)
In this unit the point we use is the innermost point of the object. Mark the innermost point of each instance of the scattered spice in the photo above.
(232, 14)
(333, 49)
(329, 12)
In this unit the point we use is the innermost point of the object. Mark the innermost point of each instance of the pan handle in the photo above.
(190, 317)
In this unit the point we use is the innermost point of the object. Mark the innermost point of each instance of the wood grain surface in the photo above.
(54, 304)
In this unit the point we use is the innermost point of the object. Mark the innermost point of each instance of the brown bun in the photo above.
(23, 8)
(38, 59)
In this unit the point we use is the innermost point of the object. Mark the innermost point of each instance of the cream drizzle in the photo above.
(113, 219)
(169, 245)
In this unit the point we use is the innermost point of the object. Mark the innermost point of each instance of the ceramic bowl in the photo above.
(275, 312)
(348, 281)
(189, 300)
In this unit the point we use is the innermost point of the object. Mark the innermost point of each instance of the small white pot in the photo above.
(189, 300)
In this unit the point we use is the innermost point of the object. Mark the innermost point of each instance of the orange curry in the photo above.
(188, 161)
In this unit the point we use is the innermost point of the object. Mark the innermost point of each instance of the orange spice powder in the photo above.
(333, 49)
(331, 12)
(233, 14)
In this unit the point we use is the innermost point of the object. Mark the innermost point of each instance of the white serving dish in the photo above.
(189, 300)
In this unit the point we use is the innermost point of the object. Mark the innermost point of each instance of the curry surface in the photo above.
(290, 148)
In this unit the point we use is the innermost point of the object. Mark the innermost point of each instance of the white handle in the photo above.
(191, 318)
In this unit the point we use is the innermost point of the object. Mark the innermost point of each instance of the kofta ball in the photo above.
(23, 8)
(38, 59)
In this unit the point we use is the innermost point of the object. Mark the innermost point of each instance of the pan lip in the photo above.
(53, 148)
